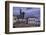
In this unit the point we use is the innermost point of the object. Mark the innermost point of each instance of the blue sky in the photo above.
(28, 11)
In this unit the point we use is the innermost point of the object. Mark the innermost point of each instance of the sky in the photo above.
(28, 11)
